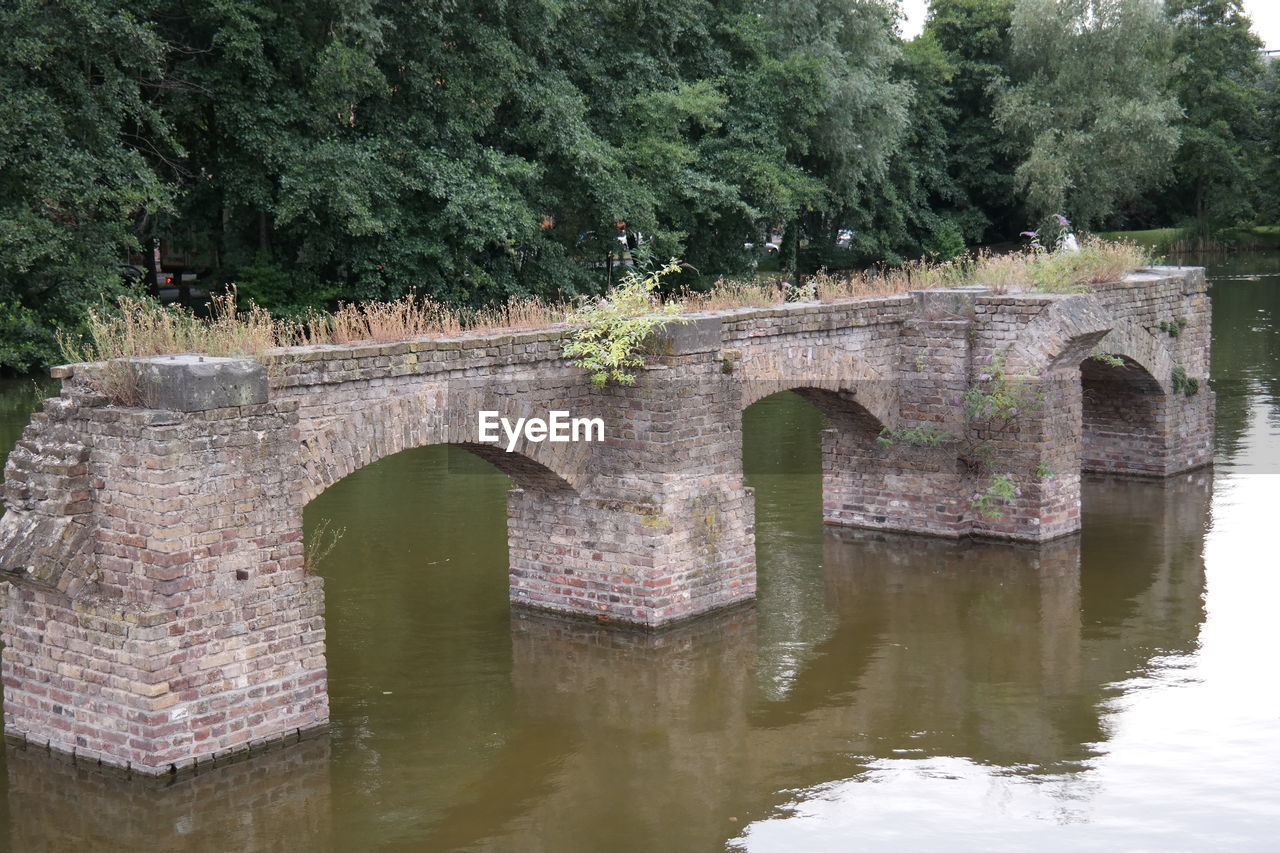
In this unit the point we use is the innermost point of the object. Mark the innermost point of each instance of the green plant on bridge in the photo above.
(1003, 488)
(994, 397)
(1000, 490)
(613, 329)
(996, 400)
(1184, 384)
(1107, 359)
(924, 435)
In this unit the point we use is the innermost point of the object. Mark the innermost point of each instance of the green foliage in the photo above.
(1172, 327)
(284, 293)
(614, 328)
(1184, 384)
(25, 341)
(477, 153)
(1107, 359)
(913, 208)
(1093, 263)
(996, 400)
(265, 283)
(974, 38)
(994, 397)
(946, 243)
(78, 139)
(1088, 104)
(1001, 489)
(1218, 81)
(1044, 471)
(924, 435)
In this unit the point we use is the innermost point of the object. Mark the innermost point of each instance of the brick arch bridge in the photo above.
(158, 608)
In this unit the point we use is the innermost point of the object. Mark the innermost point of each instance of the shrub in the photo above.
(1096, 262)
(25, 340)
(1000, 490)
(614, 328)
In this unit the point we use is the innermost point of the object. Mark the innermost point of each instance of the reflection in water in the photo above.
(276, 800)
(1246, 362)
(1104, 689)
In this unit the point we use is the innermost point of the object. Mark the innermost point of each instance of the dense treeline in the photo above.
(315, 150)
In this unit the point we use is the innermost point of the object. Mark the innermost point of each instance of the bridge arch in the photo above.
(828, 376)
(1123, 417)
(1148, 361)
(1061, 335)
(335, 445)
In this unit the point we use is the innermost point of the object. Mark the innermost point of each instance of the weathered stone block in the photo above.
(699, 334)
(195, 383)
(947, 302)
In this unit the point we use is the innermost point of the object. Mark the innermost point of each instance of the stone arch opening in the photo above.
(831, 428)
(466, 486)
(440, 539)
(523, 471)
(782, 458)
(415, 599)
(1122, 416)
(334, 446)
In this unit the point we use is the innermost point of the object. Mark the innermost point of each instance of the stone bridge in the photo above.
(159, 610)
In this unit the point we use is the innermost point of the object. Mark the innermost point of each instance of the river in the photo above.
(1114, 690)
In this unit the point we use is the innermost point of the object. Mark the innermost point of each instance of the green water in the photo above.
(1114, 690)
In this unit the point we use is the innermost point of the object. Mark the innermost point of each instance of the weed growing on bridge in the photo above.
(1172, 327)
(613, 329)
(1107, 359)
(321, 543)
(994, 397)
(1184, 384)
(1002, 489)
(412, 316)
(142, 327)
(1096, 262)
(924, 435)
(992, 405)
(995, 401)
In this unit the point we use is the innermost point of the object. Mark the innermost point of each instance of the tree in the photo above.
(1088, 104)
(1218, 82)
(1269, 170)
(78, 137)
(852, 113)
(918, 206)
(974, 38)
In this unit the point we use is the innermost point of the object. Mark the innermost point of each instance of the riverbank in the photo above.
(1177, 241)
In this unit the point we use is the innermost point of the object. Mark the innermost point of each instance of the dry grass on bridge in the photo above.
(141, 327)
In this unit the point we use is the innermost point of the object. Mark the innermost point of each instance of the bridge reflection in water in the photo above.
(999, 655)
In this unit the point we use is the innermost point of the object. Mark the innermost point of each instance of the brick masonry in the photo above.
(159, 610)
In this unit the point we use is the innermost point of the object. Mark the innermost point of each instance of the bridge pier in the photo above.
(159, 610)
(184, 624)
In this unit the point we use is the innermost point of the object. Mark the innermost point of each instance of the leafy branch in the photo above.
(612, 333)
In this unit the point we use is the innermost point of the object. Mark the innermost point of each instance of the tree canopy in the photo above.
(473, 150)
